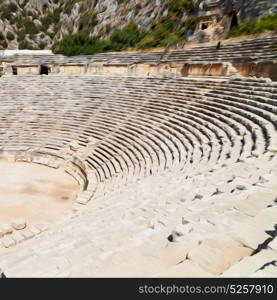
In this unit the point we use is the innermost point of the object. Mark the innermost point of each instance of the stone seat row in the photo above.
(166, 125)
(257, 49)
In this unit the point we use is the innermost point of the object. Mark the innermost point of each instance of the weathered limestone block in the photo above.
(182, 230)
(18, 237)
(34, 230)
(256, 202)
(250, 264)
(249, 233)
(41, 227)
(18, 224)
(8, 242)
(83, 199)
(215, 255)
(273, 245)
(226, 187)
(173, 254)
(269, 181)
(28, 234)
(156, 223)
(187, 268)
(270, 271)
(6, 229)
(266, 218)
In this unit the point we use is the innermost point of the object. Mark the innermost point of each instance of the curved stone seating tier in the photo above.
(180, 174)
(142, 126)
(75, 167)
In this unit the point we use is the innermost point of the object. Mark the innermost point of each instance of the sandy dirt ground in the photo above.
(37, 193)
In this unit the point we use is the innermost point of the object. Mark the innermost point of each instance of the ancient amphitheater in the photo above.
(174, 154)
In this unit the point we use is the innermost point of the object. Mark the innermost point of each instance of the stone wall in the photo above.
(73, 69)
(28, 70)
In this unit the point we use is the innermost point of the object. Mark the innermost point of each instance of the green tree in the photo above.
(10, 36)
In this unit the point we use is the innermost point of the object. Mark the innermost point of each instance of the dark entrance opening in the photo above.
(44, 70)
(234, 21)
(14, 70)
(204, 26)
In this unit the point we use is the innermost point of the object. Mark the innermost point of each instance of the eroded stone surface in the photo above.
(18, 224)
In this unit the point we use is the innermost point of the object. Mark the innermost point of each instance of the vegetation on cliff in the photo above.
(83, 43)
(169, 30)
(264, 24)
(73, 27)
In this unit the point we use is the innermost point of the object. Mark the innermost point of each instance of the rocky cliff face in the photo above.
(39, 23)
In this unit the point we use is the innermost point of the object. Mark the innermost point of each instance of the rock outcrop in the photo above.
(39, 23)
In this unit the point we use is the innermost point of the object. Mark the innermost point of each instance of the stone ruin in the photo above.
(243, 58)
(176, 161)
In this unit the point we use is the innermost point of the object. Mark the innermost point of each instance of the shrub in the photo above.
(179, 6)
(125, 38)
(51, 34)
(264, 24)
(69, 6)
(2, 37)
(74, 44)
(164, 34)
(3, 43)
(24, 45)
(7, 11)
(191, 23)
(87, 20)
(27, 26)
(12, 7)
(41, 45)
(10, 36)
(82, 43)
(50, 19)
(147, 42)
